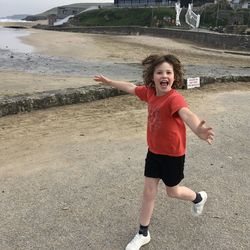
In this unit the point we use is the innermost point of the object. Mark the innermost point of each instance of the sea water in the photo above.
(10, 40)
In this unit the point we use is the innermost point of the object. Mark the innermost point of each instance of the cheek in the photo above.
(173, 78)
(156, 77)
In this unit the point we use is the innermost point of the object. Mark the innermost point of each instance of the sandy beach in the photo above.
(71, 176)
(131, 49)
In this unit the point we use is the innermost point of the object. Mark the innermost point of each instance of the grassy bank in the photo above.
(158, 17)
(211, 15)
(222, 15)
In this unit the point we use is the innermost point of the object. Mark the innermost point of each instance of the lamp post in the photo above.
(217, 15)
(152, 15)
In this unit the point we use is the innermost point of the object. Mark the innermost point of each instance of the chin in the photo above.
(165, 90)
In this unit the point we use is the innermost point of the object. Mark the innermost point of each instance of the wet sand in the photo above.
(120, 49)
(16, 82)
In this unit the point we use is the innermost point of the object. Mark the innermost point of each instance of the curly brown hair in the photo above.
(152, 61)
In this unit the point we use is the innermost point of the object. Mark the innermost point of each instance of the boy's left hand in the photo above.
(204, 133)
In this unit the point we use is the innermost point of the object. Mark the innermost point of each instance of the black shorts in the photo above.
(168, 168)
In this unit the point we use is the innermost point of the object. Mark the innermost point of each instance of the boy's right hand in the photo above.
(121, 85)
(102, 79)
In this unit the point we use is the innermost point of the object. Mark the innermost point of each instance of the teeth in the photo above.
(164, 82)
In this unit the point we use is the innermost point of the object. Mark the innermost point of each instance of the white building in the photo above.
(240, 4)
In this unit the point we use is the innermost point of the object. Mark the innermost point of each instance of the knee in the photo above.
(172, 192)
(149, 193)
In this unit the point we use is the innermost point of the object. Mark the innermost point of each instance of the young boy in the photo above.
(166, 136)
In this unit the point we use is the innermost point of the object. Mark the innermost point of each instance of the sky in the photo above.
(13, 7)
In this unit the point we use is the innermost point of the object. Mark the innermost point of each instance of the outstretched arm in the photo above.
(124, 86)
(196, 125)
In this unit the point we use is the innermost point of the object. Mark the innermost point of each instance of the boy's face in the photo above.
(163, 78)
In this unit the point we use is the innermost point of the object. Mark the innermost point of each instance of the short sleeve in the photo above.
(177, 103)
(142, 93)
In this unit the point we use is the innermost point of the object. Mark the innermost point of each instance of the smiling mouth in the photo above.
(164, 83)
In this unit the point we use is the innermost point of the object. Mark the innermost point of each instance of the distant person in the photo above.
(166, 136)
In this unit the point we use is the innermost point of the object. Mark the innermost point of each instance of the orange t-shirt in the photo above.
(166, 132)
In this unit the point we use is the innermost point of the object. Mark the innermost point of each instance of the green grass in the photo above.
(225, 15)
(124, 17)
(155, 17)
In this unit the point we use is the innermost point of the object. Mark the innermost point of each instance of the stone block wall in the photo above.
(26, 103)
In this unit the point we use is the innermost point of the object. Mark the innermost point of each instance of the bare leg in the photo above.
(149, 194)
(181, 192)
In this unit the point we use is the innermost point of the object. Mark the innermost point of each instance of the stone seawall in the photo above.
(10, 105)
(209, 39)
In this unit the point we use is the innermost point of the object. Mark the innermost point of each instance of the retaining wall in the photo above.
(209, 39)
(25, 103)
(10, 105)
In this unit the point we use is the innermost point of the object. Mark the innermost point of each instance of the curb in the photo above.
(10, 105)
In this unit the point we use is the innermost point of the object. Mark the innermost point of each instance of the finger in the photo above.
(211, 135)
(209, 141)
(202, 123)
(211, 138)
(210, 132)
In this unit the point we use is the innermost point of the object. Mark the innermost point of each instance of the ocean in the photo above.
(4, 20)
(9, 40)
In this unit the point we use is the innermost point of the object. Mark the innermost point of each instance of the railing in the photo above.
(191, 18)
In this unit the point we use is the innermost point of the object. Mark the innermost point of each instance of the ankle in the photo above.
(143, 230)
(197, 199)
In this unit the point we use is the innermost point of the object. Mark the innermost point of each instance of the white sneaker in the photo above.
(138, 241)
(198, 207)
